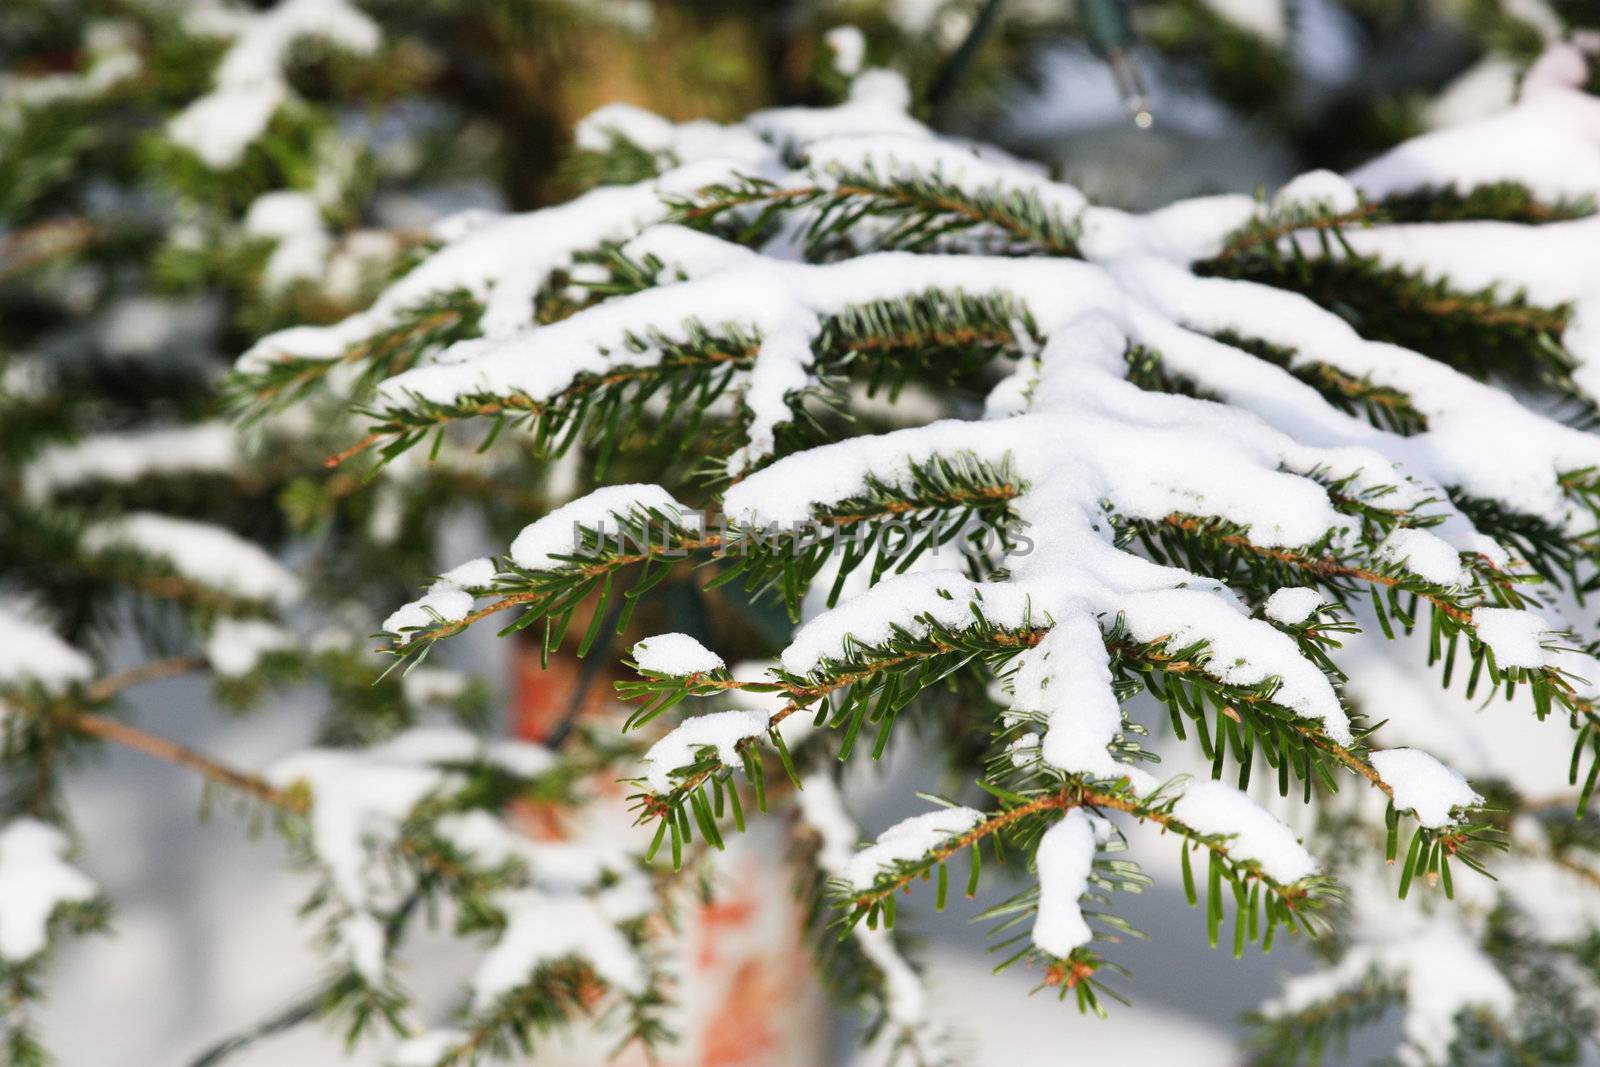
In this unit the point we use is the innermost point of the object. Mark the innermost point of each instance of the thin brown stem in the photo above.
(108, 729)
(155, 670)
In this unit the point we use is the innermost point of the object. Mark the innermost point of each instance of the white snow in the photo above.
(1065, 859)
(1320, 191)
(1486, 88)
(1425, 555)
(424, 684)
(876, 107)
(203, 448)
(293, 220)
(360, 798)
(849, 47)
(630, 332)
(31, 653)
(543, 928)
(908, 840)
(678, 143)
(1549, 142)
(524, 759)
(721, 730)
(110, 48)
(450, 597)
(907, 158)
(556, 534)
(1243, 651)
(675, 655)
(1067, 676)
(249, 82)
(201, 552)
(1479, 438)
(1423, 785)
(474, 574)
(1515, 636)
(1292, 605)
(1213, 807)
(427, 1049)
(34, 879)
(235, 646)
(871, 618)
(643, 128)
(442, 602)
(1264, 18)
(502, 261)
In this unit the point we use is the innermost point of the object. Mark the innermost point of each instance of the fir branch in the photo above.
(556, 994)
(932, 335)
(960, 484)
(917, 215)
(319, 1002)
(693, 376)
(1383, 406)
(1283, 1040)
(1261, 237)
(881, 680)
(431, 325)
(1495, 202)
(1481, 333)
(869, 904)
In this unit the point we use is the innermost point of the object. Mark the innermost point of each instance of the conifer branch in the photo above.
(1261, 237)
(432, 325)
(922, 213)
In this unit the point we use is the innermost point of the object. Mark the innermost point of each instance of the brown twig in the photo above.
(108, 729)
(171, 667)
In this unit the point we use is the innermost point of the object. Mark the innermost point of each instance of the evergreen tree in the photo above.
(1211, 522)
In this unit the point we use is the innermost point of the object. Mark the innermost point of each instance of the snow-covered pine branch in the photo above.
(1195, 481)
(1012, 461)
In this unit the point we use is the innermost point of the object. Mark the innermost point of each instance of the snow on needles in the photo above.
(542, 928)
(675, 655)
(1065, 860)
(720, 730)
(34, 880)
(908, 840)
(1292, 605)
(32, 654)
(540, 544)
(1213, 807)
(1549, 142)
(207, 447)
(1085, 449)
(201, 552)
(1424, 785)
(1515, 636)
(249, 81)
(502, 261)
